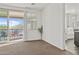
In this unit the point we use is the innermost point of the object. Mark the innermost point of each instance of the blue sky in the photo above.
(12, 22)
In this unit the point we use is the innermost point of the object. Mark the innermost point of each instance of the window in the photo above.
(11, 25)
(3, 25)
(16, 24)
(3, 13)
(71, 19)
(31, 20)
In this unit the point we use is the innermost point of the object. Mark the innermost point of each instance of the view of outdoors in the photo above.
(12, 24)
(15, 28)
(3, 29)
(11, 28)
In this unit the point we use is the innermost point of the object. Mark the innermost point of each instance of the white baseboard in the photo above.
(32, 39)
(54, 45)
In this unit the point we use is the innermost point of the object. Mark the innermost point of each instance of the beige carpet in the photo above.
(31, 48)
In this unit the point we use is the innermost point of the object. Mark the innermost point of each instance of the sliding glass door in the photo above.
(3, 29)
(15, 28)
(11, 25)
(16, 24)
(3, 25)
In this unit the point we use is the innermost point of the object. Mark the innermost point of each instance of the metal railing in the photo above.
(11, 34)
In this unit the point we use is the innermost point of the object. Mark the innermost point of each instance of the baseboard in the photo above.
(32, 40)
(54, 45)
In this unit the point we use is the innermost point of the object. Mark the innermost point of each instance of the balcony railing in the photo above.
(11, 34)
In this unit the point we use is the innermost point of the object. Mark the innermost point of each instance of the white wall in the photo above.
(33, 35)
(53, 24)
(30, 34)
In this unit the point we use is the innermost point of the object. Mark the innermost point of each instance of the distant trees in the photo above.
(3, 26)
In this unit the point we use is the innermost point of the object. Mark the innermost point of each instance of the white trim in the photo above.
(54, 45)
(32, 40)
(64, 26)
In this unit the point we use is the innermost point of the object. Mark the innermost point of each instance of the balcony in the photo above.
(11, 34)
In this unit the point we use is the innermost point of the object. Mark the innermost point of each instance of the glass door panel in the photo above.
(16, 28)
(11, 25)
(3, 25)
(3, 29)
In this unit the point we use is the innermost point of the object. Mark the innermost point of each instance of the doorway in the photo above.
(71, 27)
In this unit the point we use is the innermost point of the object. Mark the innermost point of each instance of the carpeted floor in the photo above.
(32, 48)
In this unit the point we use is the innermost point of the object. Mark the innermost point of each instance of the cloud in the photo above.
(3, 23)
(13, 23)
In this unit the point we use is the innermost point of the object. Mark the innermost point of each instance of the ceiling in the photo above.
(38, 6)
